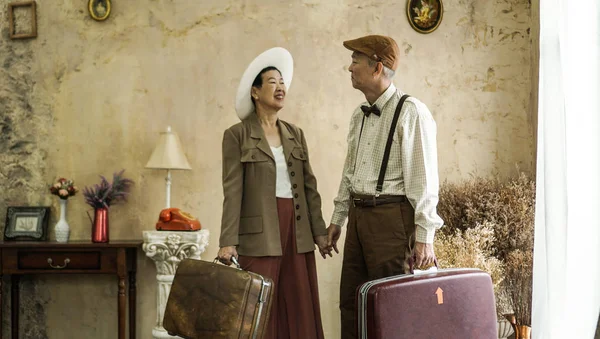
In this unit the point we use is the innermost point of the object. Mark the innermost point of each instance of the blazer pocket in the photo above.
(254, 155)
(299, 153)
(249, 225)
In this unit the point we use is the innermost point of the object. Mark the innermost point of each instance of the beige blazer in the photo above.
(250, 220)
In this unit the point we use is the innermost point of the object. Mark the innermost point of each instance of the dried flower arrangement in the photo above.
(64, 188)
(518, 283)
(473, 207)
(472, 247)
(105, 194)
(510, 206)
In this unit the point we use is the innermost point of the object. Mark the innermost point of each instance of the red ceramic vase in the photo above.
(100, 225)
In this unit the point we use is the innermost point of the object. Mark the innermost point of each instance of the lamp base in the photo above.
(168, 187)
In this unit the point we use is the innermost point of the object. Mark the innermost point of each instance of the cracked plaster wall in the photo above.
(89, 98)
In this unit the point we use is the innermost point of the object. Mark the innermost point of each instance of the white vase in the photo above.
(62, 230)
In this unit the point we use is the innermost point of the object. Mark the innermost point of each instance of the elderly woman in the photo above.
(272, 210)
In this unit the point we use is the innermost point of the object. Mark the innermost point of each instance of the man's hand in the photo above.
(225, 254)
(424, 255)
(324, 248)
(333, 235)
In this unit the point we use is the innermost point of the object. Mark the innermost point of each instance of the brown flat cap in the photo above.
(377, 47)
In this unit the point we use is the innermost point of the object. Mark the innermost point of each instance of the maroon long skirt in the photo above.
(296, 312)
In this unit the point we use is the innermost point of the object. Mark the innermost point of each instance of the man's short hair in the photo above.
(387, 72)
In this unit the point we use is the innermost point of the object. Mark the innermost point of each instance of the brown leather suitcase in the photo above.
(210, 300)
(447, 304)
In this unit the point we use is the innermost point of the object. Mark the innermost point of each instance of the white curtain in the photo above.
(566, 278)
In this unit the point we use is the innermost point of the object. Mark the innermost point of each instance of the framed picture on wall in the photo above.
(425, 16)
(99, 9)
(26, 223)
(22, 25)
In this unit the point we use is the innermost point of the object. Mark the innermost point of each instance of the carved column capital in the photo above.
(167, 249)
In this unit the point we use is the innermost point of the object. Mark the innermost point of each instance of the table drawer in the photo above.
(87, 260)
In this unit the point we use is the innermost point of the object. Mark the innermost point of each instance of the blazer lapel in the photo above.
(287, 140)
(257, 133)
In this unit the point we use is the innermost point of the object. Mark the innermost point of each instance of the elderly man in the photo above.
(389, 186)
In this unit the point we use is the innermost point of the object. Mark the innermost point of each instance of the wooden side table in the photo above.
(75, 257)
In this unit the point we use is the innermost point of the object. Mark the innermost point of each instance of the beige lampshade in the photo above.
(168, 153)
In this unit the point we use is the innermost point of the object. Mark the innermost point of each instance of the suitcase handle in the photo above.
(412, 256)
(233, 260)
(411, 264)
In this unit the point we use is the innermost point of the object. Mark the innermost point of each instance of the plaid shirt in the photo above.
(412, 168)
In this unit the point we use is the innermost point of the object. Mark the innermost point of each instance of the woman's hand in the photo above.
(225, 254)
(324, 249)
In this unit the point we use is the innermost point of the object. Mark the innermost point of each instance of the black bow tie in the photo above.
(368, 110)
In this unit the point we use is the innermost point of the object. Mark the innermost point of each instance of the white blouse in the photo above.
(283, 187)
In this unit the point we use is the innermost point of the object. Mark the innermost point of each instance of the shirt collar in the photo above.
(387, 95)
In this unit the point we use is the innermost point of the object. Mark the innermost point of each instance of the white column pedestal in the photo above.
(167, 249)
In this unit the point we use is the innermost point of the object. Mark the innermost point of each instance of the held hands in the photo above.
(329, 242)
(324, 248)
(424, 255)
(333, 235)
(225, 254)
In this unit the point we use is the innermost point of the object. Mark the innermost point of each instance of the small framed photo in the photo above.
(425, 16)
(99, 9)
(22, 20)
(26, 223)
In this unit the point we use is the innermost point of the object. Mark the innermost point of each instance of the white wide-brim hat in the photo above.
(277, 57)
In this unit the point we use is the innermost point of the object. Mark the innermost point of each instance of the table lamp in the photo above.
(168, 155)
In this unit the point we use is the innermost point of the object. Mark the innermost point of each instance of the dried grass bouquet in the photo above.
(489, 224)
(518, 284)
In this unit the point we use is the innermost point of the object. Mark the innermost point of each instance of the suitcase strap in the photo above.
(236, 263)
(260, 306)
(261, 297)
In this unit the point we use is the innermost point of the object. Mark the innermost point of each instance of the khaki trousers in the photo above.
(375, 247)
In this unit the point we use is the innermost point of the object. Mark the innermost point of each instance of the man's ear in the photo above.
(253, 93)
(378, 69)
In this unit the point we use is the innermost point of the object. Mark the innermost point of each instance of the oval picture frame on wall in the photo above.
(99, 9)
(424, 16)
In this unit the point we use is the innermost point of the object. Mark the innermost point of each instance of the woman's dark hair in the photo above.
(258, 80)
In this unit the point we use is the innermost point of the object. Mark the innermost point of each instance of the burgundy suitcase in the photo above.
(447, 304)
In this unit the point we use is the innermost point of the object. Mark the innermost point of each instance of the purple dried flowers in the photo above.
(105, 194)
